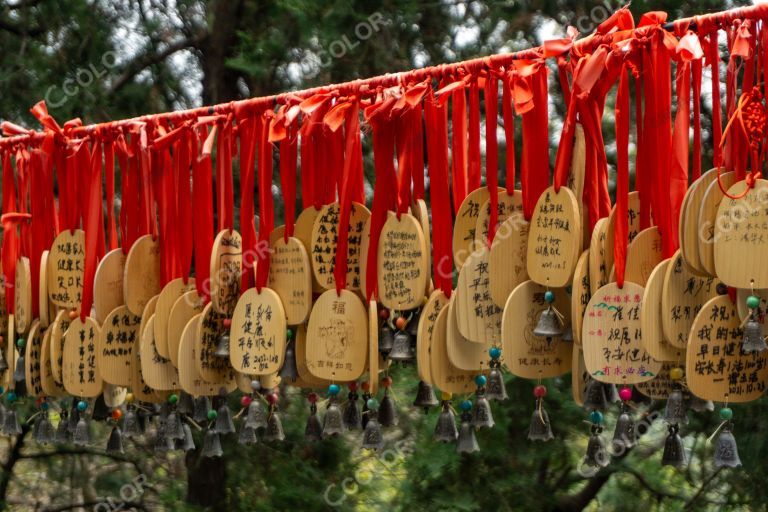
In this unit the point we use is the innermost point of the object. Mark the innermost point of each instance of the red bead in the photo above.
(366, 386)
(353, 386)
(272, 398)
(540, 391)
(383, 314)
(117, 414)
(386, 382)
(401, 322)
(312, 397)
(245, 401)
(625, 394)
(227, 322)
(72, 314)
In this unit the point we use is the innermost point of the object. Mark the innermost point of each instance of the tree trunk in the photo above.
(206, 479)
(220, 82)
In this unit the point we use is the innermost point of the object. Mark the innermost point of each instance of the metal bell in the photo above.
(224, 423)
(188, 443)
(597, 456)
(274, 430)
(18, 373)
(594, 396)
(351, 414)
(73, 417)
(163, 443)
(365, 414)
(674, 452)
(675, 412)
(425, 397)
(115, 441)
(387, 411)
(289, 372)
(624, 434)
(247, 435)
(496, 389)
(333, 423)
(482, 416)
(202, 406)
(445, 430)
(467, 442)
(549, 325)
(402, 348)
(386, 339)
(372, 436)
(726, 451)
(541, 428)
(314, 429)
(222, 348)
(131, 427)
(44, 431)
(753, 340)
(211, 445)
(568, 334)
(82, 435)
(173, 428)
(3, 362)
(100, 410)
(11, 426)
(186, 404)
(257, 415)
(63, 434)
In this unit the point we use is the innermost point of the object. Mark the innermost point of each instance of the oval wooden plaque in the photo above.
(291, 278)
(580, 295)
(80, 369)
(257, 334)
(22, 299)
(118, 339)
(58, 330)
(509, 250)
(465, 224)
(226, 268)
(650, 318)
(66, 266)
(158, 372)
(108, 284)
(706, 220)
(301, 360)
(212, 368)
(48, 383)
(170, 293)
(598, 272)
(689, 221)
(189, 378)
(478, 316)
(426, 331)
(643, 255)
(302, 230)
(185, 307)
(445, 376)
(322, 251)
(463, 353)
(33, 369)
(402, 263)
(141, 277)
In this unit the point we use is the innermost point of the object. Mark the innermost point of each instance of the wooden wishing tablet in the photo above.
(212, 368)
(189, 378)
(402, 270)
(426, 331)
(140, 389)
(58, 329)
(554, 239)
(33, 369)
(643, 255)
(612, 339)
(650, 318)
(464, 354)
(707, 218)
(165, 302)
(257, 334)
(365, 245)
(159, 373)
(66, 260)
(689, 227)
(80, 369)
(660, 386)
(141, 276)
(302, 229)
(290, 277)
(682, 297)
(509, 250)
(741, 236)
(322, 251)
(465, 224)
(507, 206)
(580, 295)
(305, 375)
(23, 296)
(108, 284)
(579, 376)
(526, 355)
(49, 385)
(338, 334)
(598, 272)
(276, 234)
(185, 307)
(119, 338)
(445, 376)
(373, 347)
(45, 308)
(478, 317)
(716, 368)
(226, 268)
(421, 213)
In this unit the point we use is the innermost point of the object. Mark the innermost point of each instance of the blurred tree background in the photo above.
(101, 60)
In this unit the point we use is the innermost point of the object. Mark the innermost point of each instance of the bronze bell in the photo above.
(549, 325)
(351, 414)
(63, 435)
(289, 372)
(425, 397)
(186, 404)
(496, 389)
(18, 374)
(386, 339)
(247, 435)
(482, 416)
(131, 427)
(188, 443)
(274, 431)
(372, 436)
(726, 451)
(222, 349)
(597, 455)
(387, 412)
(467, 442)
(675, 412)
(202, 406)
(753, 340)
(540, 428)
(674, 452)
(594, 396)
(445, 430)
(224, 424)
(624, 434)
(173, 428)
(211, 445)
(314, 429)
(402, 349)
(333, 423)
(257, 414)
(115, 441)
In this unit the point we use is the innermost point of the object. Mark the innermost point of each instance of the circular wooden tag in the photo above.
(580, 295)
(212, 368)
(141, 277)
(689, 221)
(165, 302)
(291, 278)
(322, 251)
(338, 330)
(463, 353)
(33, 370)
(526, 355)
(682, 297)
(80, 369)
(612, 339)
(710, 204)
(579, 376)
(507, 206)
(301, 360)
(715, 367)
(650, 318)
(159, 373)
(465, 224)
(226, 268)
(47, 382)
(23, 296)
(741, 300)
(598, 272)
(426, 331)
(445, 376)
(660, 386)
(65, 272)
(554, 240)
(45, 308)
(401, 263)
(119, 338)
(302, 229)
(477, 316)
(509, 250)
(58, 330)
(257, 334)
(189, 378)
(643, 255)
(421, 213)
(185, 307)
(741, 237)
(108, 284)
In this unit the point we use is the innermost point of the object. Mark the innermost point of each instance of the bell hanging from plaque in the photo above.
(63, 435)
(44, 431)
(595, 398)
(211, 445)
(163, 443)
(445, 429)
(754, 339)
(202, 406)
(224, 424)
(373, 439)
(624, 432)
(222, 347)
(351, 413)
(131, 427)
(247, 435)
(173, 428)
(289, 371)
(674, 452)
(467, 442)
(540, 428)
(386, 339)
(496, 389)
(674, 412)
(333, 423)
(387, 413)
(726, 451)
(274, 431)
(402, 348)
(597, 455)
(82, 435)
(550, 324)
(425, 397)
(256, 417)
(115, 441)
(314, 429)
(188, 443)
(482, 416)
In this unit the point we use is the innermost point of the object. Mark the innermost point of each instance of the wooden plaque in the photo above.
(158, 372)
(80, 370)
(170, 293)
(579, 376)
(365, 245)
(185, 307)
(119, 338)
(189, 378)
(716, 369)
(257, 334)
(478, 316)
(33, 369)
(337, 337)
(58, 330)
(108, 284)
(226, 268)
(554, 240)
(465, 224)
(689, 221)
(660, 386)
(141, 277)
(373, 347)
(598, 272)
(650, 318)
(445, 376)
(402, 263)
(580, 295)
(421, 213)
(612, 339)
(322, 251)
(301, 360)
(507, 262)
(45, 308)
(464, 354)
(291, 278)
(643, 255)
(426, 331)
(47, 382)
(276, 234)
(710, 204)
(23, 296)
(140, 389)
(633, 226)
(66, 266)
(212, 368)
(302, 229)
(507, 206)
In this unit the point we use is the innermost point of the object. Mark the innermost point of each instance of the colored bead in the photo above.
(227, 323)
(726, 413)
(173, 398)
(333, 389)
(289, 334)
(721, 289)
(753, 302)
(129, 398)
(401, 323)
(383, 314)
(82, 405)
(549, 297)
(372, 404)
(312, 398)
(352, 386)
(255, 385)
(445, 396)
(44, 406)
(465, 405)
(212, 414)
(676, 373)
(245, 400)
(72, 314)
(494, 352)
(117, 414)
(20, 342)
(540, 391)
(386, 382)
(596, 417)
(11, 396)
(625, 394)
(481, 381)
(366, 386)
(272, 398)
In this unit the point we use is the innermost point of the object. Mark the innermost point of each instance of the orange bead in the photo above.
(401, 322)
(117, 414)
(72, 314)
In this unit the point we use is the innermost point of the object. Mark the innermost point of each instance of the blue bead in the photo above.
(480, 380)
(465, 405)
(495, 352)
(11, 396)
(82, 405)
(44, 406)
(549, 297)
(334, 389)
(596, 417)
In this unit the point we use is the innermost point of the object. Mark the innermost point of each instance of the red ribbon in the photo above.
(266, 209)
(249, 131)
(94, 233)
(491, 96)
(621, 225)
(202, 215)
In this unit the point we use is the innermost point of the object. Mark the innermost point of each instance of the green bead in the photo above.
(289, 334)
(20, 342)
(372, 404)
(173, 399)
(11, 397)
(753, 302)
(212, 415)
(465, 405)
(726, 413)
(549, 297)
(596, 417)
